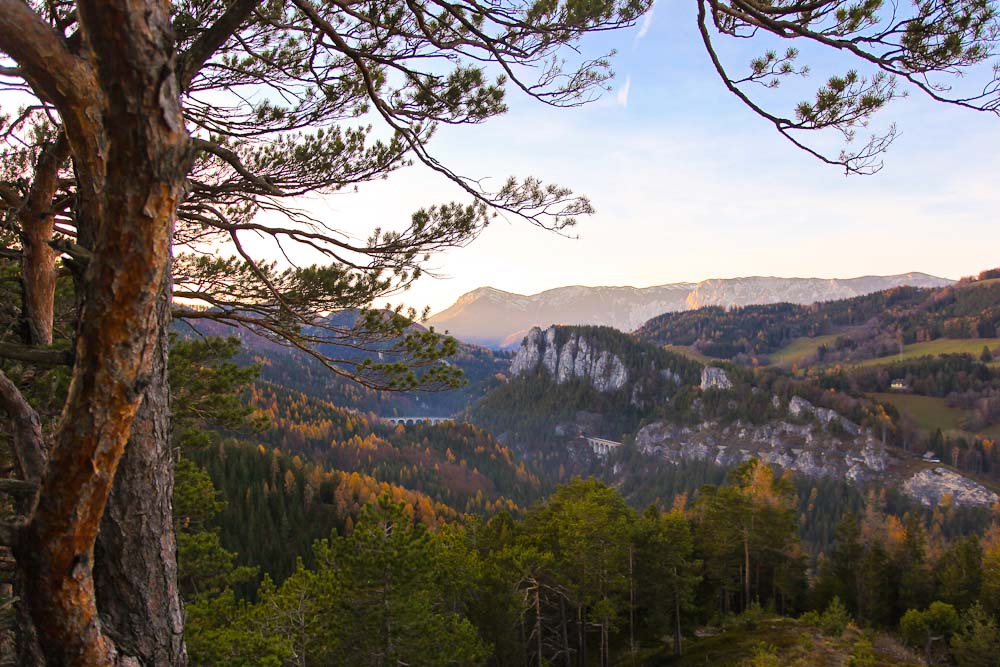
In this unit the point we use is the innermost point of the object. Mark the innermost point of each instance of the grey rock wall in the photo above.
(577, 358)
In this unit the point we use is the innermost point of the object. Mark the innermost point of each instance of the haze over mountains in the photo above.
(498, 319)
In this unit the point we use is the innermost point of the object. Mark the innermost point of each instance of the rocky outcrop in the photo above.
(804, 448)
(929, 487)
(576, 358)
(801, 408)
(715, 378)
(809, 449)
(529, 354)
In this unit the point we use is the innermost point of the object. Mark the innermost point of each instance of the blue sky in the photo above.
(689, 184)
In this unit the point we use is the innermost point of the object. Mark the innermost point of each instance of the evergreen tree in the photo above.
(960, 572)
(390, 609)
(749, 538)
(929, 627)
(586, 526)
(876, 598)
(666, 571)
(205, 390)
(977, 644)
(916, 583)
(839, 573)
(990, 591)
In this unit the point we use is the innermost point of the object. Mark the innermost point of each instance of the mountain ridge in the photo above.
(499, 319)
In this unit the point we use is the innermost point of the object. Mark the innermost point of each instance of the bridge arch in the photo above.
(411, 420)
(601, 446)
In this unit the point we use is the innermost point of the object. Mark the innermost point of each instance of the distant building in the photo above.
(899, 385)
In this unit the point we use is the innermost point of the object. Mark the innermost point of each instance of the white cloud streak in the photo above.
(622, 96)
(647, 23)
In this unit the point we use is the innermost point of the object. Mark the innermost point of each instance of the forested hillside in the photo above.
(276, 469)
(291, 367)
(275, 505)
(456, 463)
(926, 357)
(865, 327)
(584, 579)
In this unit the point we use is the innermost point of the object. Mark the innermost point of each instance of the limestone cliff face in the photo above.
(715, 378)
(932, 485)
(800, 407)
(576, 358)
(810, 448)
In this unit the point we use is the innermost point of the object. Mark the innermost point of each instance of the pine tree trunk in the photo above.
(678, 637)
(131, 153)
(135, 566)
(538, 624)
(605, 650)
(565, 632)
(30, 455)
(522, 635)
(600, 646)
(38, 272)
(631, 603)
(746, 571)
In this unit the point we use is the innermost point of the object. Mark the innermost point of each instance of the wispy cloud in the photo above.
(647, 23)
(622, 96)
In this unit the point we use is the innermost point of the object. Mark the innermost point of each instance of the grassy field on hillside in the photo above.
(690, 353)
(927, 412)
(973, 346)
(800, 348)
(931, 413)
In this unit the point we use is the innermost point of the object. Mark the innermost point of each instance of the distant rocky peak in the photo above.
(491, 293)
(569, 357)
(495, 318)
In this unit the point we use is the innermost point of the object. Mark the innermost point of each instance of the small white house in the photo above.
(899, 385)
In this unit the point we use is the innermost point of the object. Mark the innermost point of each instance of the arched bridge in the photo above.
(601, 446)
(409, 421)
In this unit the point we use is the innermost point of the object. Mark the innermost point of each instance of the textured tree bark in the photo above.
(29, 445)
(38, 288)
(29, 451)
(122, 116)
(135, 567)
(38, 270)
